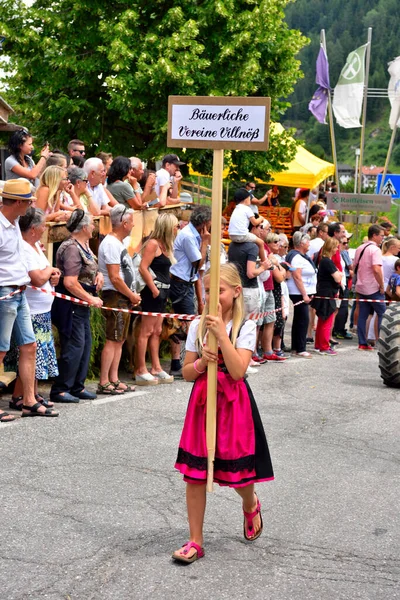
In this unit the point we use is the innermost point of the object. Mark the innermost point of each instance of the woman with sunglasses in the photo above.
(48, 195)
(79, 181)
(20, 163)
(80, 278)
(42, 275)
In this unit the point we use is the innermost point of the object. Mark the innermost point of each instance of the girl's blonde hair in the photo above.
(329, 248)
(387, 244)
(164, 232)
(51, 178)
(230, 275)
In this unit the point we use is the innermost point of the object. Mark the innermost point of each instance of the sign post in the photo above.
(217, 123)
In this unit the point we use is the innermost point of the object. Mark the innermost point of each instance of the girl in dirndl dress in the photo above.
(241, 453)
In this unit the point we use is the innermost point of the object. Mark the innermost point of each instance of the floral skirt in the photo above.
(46, 360)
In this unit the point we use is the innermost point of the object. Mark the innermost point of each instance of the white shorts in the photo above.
(251, 298)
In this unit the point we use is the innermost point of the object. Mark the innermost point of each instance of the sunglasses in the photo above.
(123, 213)
(30, 201)
(80, 151)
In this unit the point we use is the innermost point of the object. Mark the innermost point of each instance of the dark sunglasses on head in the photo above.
(123, 213)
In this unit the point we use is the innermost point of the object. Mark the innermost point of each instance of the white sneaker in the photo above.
(251, 371)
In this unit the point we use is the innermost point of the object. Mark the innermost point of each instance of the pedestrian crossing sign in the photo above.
(391, 186)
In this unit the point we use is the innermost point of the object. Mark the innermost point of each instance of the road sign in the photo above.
(218, 122)
(391, 186)
(358, 202)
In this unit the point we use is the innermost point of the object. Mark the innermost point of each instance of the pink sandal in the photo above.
(248, 527)
(187, 547)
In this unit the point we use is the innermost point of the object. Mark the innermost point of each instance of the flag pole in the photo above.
(389, 152)
(364, 117)
(330, 117)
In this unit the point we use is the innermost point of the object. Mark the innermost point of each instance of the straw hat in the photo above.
(17, 189)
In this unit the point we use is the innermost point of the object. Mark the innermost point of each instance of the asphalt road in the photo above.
(91, 507)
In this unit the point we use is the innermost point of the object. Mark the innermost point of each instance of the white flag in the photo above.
(349, 90)
(394, 91)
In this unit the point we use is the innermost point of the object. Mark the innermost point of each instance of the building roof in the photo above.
(372, 170)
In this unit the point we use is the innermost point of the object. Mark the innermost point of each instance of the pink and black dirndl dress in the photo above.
(241, 455)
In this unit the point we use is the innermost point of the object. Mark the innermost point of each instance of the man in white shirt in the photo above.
(95, 171)
(317, 243)
(14, 311)
(169, 172)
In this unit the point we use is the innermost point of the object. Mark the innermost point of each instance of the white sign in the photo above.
(358, 202)
(218, 122)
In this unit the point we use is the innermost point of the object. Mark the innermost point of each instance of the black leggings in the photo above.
(301, 319)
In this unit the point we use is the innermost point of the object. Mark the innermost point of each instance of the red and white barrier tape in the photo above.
(185, 317)
(12, 294)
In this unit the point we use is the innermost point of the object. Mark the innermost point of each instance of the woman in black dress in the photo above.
(328, 283)
(157, 257)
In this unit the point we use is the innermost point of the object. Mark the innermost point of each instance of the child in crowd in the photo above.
(240, 220)
(242, 456)
(393, 288)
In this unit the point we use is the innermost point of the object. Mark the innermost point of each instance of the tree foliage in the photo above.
(103, 71)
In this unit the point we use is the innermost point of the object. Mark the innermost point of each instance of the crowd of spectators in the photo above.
(316, 273)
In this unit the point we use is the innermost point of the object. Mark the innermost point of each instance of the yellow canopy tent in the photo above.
(305, 170)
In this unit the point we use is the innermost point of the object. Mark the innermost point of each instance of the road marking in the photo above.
(120, 397)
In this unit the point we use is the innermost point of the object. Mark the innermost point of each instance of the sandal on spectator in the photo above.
(117, 385)
(44, 401)
(108, 389)
(163, 377)
(34, 412)
(6, 418)
(15, 403)
(145, 379)
(188, 546)
(248, 527)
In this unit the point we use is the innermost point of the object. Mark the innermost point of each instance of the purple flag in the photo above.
(319, 102)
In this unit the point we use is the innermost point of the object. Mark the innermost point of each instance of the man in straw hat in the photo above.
(14, 311)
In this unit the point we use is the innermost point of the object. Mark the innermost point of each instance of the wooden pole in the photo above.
(389, 152)
(364, 115)
(216, 213)
(330, 117)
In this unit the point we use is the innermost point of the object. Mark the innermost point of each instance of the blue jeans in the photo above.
(365, 311)
(15, 319)
(182, 297)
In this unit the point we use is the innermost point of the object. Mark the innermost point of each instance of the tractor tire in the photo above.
(389, 346)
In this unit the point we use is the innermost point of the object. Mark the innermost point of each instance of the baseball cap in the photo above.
(240, 195)
(173, 159)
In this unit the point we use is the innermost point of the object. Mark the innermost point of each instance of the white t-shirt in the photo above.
(162, 177)
(308, 276)
(240, 219)
(246, 339)
(12, 266)
(315, 246)
(301, 208)
(39, 303)
(388, 268)
(113, 252)
(99, 195)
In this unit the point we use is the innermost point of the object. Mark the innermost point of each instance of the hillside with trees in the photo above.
(345, 25)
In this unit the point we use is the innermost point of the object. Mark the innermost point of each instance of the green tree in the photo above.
(103, 72)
